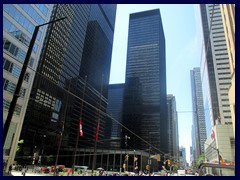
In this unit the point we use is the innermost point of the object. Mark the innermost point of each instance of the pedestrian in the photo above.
(24, 170)
(9, 169)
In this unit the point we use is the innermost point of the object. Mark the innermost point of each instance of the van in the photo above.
(181, 172)
(82, 168)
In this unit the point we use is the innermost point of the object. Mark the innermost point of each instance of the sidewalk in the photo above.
(19, 173)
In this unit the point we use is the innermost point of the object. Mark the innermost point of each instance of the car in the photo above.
(212, 169)
(82, 168)
(47, 170)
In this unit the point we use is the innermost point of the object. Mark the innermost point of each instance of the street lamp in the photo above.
(218, 154)
(126, 159)
(149, 159)
(21, 78)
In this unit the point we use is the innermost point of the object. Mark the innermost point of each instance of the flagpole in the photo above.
(75, 151)
(95, 143)
(63, 122)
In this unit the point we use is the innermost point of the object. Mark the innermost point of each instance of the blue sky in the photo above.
(183, 36)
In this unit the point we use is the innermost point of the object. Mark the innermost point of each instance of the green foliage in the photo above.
(49, 158)
(19, 143)
(201, 159)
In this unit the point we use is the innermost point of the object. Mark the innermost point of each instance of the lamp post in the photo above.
(21, 78)
(97, 129)
(76, 145)
(126, 138)
(149, 159)
(218, 154)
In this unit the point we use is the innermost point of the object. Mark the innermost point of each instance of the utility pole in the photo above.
(21, 78)
(62, 130)
(19, 85)
(218, 154)
(126, 156)
(75, 151)
(95, 143)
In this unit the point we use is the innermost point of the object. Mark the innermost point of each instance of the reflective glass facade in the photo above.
(199, 125)
(78, 46)
(215, 69)
(144, 105)
(173, 127)
(114, 109)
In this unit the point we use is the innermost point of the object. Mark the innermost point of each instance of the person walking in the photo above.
(10, 169)
(24, 170)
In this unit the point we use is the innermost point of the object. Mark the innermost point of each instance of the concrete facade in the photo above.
(222, 139)
(19, 21)
(228, 16)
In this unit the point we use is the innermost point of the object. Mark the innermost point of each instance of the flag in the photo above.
(213, 134)
(80, 128)
(62, 127)
(97, 130)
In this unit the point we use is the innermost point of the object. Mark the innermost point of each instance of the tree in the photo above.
(20, 142)
(49, 159)
(201, 159)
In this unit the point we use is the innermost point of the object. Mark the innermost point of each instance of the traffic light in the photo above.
(124, 166)
(169, 162)
(158, 157)
(147, 167)
(126, 158)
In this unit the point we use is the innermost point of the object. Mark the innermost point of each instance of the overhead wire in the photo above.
(109, 116)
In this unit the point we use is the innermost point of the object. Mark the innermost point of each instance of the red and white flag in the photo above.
(97, 130)
(80, 128)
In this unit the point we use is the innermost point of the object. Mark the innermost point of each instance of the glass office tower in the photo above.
(76, 56)
(144, 105)
(216, 80)
(114, 109)
(199, 123)
(173, 128)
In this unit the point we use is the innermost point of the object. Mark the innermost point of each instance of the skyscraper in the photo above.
(173, 128)
(76, 56)
(144, 105)
(228, 16)
(115, 99)
(19, 21)
(199, 125)
(216, 80)
(182, 156)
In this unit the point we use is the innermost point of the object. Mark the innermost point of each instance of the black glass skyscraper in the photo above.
(114, 109)
(77, 47)
(144, 105)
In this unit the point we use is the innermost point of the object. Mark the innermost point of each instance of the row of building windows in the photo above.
(10, 87)
(42, 8)
(14, 69)
(226, 78)
(17, 52)
(19, 35)
(21, 19)
(47, 100)
(32, 13)
(6, 105)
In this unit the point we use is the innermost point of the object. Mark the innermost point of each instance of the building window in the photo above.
(6, 105)
(14, 69)
(19, 53)
(10, 87)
